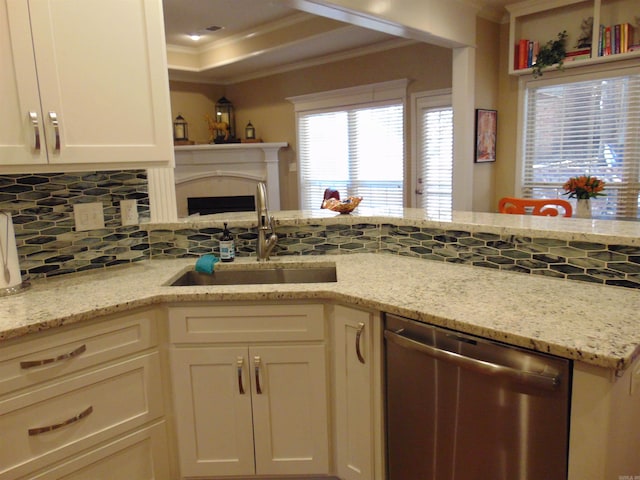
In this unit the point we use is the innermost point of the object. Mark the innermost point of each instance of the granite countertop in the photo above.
(570, 229)
(590, 323)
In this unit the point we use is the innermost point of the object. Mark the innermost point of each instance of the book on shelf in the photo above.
(526, 54)
(579, 54)
(615, 39)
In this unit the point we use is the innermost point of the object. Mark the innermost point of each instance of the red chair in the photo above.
(535, 206)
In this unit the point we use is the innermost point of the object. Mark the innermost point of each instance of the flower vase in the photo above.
(583, 208)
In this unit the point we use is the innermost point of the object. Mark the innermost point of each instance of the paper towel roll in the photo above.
(9, 264)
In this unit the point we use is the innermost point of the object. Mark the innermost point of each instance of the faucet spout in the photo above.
(265, 223)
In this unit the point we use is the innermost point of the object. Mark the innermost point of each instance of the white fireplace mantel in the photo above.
(257, 162)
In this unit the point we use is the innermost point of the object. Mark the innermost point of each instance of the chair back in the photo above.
(535, 206)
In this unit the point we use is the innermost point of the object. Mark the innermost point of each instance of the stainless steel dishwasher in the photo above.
(460, 407)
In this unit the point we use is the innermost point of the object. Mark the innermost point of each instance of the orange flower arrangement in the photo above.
(583, 187)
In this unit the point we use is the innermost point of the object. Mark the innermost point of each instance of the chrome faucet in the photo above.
(265, 222)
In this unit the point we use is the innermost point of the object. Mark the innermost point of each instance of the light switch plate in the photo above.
(129, 212)
(88, 216)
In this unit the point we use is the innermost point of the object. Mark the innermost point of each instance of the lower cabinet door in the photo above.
(354, 402)
(290, 409)
(142, 455)
(212, 398)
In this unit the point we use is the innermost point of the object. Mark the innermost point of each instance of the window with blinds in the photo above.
(435, 171)
(357, 151)
(589, 127)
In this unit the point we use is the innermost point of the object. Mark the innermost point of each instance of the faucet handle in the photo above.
(272, 224)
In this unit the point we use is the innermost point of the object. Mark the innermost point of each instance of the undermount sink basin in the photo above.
(252, 276)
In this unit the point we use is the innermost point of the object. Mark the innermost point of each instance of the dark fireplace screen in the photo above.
(211, 205)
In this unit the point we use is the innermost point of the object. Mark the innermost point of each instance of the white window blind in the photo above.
(357, 151)
(589, 127)
(435, 169)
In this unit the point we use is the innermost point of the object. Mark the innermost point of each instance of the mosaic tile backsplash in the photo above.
(42, 210)
(48, 245)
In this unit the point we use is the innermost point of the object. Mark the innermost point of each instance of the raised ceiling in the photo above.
(261, 37)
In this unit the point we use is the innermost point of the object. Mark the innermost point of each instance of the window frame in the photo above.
(363, 96)
(586, 73)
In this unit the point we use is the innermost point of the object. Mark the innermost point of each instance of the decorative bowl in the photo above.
(344, 206)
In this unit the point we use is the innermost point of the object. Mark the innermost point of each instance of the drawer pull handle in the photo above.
(257, 362)
(33, 116)
(50, 428)
(240, 364)
(358, 340)
(65, 356)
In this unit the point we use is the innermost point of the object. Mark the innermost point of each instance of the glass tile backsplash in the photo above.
(42, 209)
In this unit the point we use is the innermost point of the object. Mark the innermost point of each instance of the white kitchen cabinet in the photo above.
(357, 399)
(83, 85)
(68, 393)
(250, 399)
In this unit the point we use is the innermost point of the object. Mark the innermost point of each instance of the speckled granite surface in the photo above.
(596, 324)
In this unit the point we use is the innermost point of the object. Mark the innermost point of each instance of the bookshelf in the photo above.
(541, 20)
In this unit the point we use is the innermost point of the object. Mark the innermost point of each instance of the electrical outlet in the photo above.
(129, 212)
(88, 216)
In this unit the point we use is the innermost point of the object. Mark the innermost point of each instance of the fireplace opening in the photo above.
(211, 205)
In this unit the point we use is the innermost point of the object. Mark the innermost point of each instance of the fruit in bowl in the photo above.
(345, 206)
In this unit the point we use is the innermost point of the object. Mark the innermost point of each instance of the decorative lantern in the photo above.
(249, 132)
(180, 129)
(226, 120)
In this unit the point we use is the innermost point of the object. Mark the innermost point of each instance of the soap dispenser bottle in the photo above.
(227, 246)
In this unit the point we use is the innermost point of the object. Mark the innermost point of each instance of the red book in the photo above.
(523, 48)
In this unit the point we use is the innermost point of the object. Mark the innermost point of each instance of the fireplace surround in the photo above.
(225, 171)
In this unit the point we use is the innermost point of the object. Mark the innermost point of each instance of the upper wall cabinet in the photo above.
(598, 31)
(83, 85)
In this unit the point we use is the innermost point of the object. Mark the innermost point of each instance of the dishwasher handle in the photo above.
(540, 380)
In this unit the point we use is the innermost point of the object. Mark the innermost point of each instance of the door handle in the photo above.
(240, 367)
(358, 340)
(33, 116)
(540, 380)
(257, 362)
(53, 117)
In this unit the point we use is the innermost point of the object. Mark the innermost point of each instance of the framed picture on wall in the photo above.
(486, 128)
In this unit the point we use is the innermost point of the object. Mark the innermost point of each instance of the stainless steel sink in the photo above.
(252, 276)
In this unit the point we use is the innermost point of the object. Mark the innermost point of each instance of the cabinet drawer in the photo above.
(246, 323)
(43, 425)
(142, 455)
(51, 355)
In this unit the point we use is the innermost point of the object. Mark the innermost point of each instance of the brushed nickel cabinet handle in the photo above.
(65, 356)
(240, 365)
(256, 364)
(49, 428)
(33, 116)
(358, 340)
(53, 116)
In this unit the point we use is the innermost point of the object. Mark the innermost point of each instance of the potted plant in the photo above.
(583, 188)
(551, 53)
